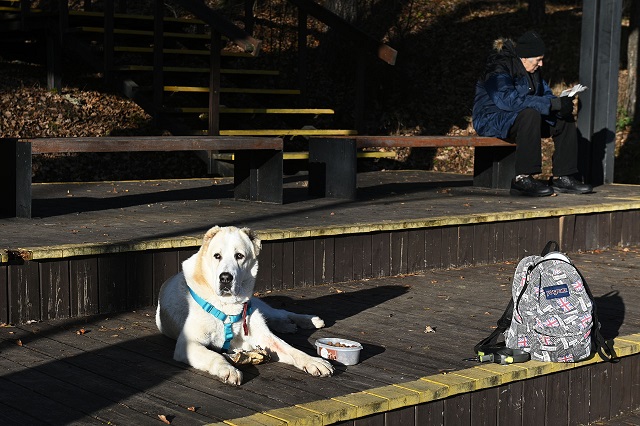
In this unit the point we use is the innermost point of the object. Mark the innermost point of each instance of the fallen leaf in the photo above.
(164, 419)
(429, 329)
(19, 342)
(81, 331)
(192, 409)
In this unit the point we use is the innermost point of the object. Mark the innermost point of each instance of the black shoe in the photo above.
(530, 187)
(570, 185)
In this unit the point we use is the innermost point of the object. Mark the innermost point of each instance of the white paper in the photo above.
(574, 90)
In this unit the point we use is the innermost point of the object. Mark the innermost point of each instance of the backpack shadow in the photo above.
(611, 312)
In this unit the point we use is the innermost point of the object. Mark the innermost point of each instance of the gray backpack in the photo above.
(552, 314)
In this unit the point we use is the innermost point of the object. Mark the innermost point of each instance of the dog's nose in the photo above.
(225, 281)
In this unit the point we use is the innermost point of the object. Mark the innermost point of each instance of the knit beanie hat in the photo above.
(530, 45)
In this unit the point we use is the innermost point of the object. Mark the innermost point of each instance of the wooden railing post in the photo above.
(249, 19)
(108, 42)
(361, 85)
(25, 10)
(158, 59)
(55, 41)
(214, 83)
(303, 56)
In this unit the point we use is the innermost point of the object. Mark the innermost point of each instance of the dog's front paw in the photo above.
(318, 367)
(228, 374)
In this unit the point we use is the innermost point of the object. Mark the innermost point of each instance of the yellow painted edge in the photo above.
(376, 154)
(34, 253)
(396, 396)
(455, 384)
(197, 89)
(482, 378)
(425, 389)
(134, 16)
(504, 373)
(296, 416)
(365, 403)
(287, 132)
(330, 410)
(258, 419)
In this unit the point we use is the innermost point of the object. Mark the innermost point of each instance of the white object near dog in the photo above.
(209, 308)
(342, 351)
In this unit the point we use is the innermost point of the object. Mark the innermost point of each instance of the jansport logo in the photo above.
(556, 291)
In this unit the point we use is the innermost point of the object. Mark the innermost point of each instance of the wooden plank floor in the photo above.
(118, 370)
(112, 213)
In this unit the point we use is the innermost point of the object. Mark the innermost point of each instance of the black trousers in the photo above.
(528, 130)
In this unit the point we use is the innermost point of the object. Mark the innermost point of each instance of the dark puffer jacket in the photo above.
(506, 89)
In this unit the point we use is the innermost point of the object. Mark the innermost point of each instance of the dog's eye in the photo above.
(217, 256)
(239, 256)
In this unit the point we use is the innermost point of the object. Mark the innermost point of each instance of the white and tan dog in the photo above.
(209, 308)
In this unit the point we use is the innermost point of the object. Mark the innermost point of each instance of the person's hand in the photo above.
(566, 106)
(563, 106)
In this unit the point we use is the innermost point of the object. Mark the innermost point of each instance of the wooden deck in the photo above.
(416, 249)
(117, 369)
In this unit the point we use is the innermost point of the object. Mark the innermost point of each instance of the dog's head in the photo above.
(226, 264)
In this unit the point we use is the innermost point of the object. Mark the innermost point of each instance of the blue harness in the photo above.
(228, 320)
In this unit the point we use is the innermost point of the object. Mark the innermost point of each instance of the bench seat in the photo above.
(333, 160)
(257, 168)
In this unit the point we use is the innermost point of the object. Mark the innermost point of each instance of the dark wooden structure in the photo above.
(116, 368)
(77, 292)
(333, 164)
(257, 172)
(599, 67)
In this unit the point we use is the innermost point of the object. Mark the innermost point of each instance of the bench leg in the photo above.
(257, 175)
(333, 168)
(15, 178)
(494, 167)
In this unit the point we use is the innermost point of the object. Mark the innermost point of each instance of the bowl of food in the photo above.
(342, 351)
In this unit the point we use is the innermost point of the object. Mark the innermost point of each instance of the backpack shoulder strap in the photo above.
(490, 343)
(551, 246)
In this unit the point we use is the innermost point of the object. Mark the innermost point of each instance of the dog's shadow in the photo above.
(333, 308)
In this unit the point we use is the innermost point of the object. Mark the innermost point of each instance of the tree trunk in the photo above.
(537, 11)
(632, 63)
(347, 10)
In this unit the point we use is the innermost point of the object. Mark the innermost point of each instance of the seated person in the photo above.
(513, 101)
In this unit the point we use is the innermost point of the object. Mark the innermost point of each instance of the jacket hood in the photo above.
(503, 59)
(505, 44)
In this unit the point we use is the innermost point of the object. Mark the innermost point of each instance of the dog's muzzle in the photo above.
(226, 281)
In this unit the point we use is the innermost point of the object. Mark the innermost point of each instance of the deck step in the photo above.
(288, 132)
(197, 70)
(91, 14)
(145, 33)
(205, 111)
(281, 132)
(202, 52)
(197, 89)
(305, 155)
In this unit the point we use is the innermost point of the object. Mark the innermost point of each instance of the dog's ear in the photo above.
(257, 244)
(210, 234)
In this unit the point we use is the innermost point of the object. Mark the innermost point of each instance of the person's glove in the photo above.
(563, 105)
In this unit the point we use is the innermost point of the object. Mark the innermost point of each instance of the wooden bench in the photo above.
(257, 167)
(333, 160)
